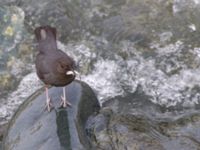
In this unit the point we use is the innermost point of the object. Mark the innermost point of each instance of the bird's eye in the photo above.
(62, 66)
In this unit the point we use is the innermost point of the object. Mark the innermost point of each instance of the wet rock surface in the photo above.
(139, 124)
(32, 127)
(15, 57)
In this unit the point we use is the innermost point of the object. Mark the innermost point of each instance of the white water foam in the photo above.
(104, 79)
(114, 77)
(29, 84)
(110, 78)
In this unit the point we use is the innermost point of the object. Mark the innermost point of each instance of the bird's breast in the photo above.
(62, 80)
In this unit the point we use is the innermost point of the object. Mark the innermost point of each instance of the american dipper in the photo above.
(54, 67)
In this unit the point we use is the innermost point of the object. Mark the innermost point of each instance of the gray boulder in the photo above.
(34, 128)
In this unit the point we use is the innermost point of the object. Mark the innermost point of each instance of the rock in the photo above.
(32, 127)
(7, 82)
(12, 32)
(121, 132)
(11, 29)
(135, 124)
(2, 131)
(69, 16)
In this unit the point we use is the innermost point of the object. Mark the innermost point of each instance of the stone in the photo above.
(121, 132)
(135, 124)
(11, 34)
(32, 127)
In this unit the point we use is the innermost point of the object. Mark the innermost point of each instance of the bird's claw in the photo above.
(49, 105)
(64, 102)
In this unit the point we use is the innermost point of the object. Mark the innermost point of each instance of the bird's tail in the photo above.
(45, 33)
(46, 37)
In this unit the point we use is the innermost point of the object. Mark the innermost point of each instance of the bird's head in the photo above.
(66, 69)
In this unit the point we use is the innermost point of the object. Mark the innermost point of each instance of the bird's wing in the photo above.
(66, 58)
(42, 66)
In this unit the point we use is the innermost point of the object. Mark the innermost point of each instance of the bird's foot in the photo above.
(64, 102)
(49, 105)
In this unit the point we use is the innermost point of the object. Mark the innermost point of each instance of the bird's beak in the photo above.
(69, 73)
(74, 73)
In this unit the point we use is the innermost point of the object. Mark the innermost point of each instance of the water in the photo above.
(119, 46)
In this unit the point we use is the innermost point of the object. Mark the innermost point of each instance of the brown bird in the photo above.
(54, 67)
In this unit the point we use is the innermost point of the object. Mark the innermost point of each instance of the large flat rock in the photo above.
(34, 128)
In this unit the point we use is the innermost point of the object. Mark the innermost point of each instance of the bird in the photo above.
(53, 66)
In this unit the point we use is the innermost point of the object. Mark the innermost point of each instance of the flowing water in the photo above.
(119, 46)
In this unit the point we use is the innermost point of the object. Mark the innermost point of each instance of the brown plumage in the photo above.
(54, 67)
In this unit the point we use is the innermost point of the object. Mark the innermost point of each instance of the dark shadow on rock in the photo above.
(63, 129)
(32, 127)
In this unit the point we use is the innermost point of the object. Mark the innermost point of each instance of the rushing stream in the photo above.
(120, 46)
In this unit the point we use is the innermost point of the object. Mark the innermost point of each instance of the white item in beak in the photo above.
(69, 73)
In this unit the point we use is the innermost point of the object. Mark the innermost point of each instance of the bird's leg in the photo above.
(64, 102)
(48, 100)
